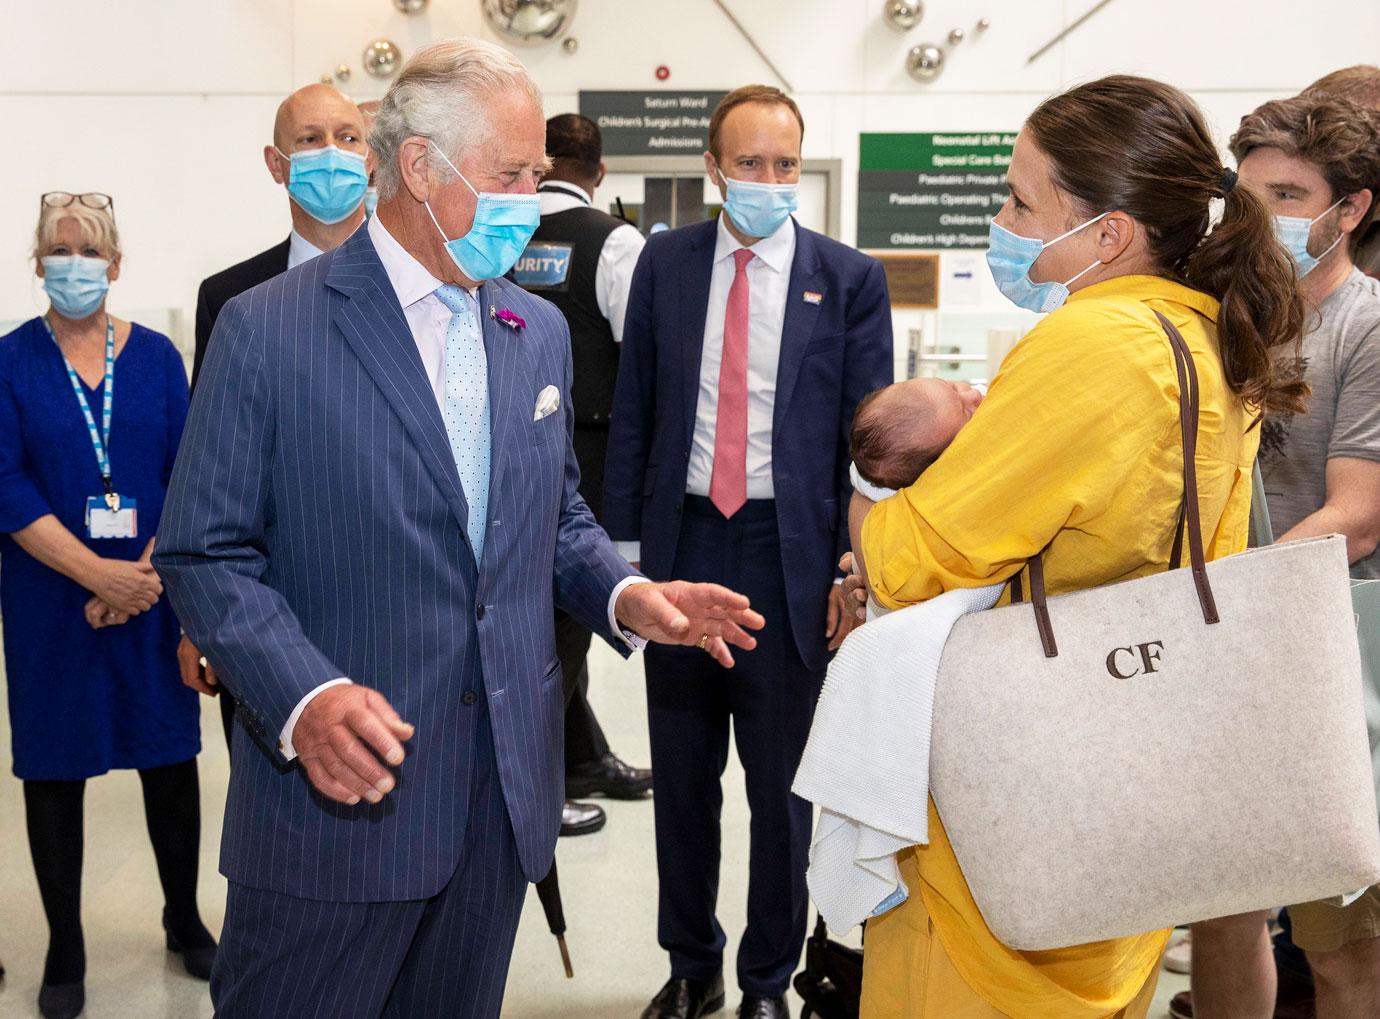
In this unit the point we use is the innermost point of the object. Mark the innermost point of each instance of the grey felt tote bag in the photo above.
(1163, 750)
(1365, 614)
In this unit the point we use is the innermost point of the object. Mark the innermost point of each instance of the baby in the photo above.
(900, 430)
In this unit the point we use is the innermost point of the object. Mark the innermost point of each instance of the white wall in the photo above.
(167, 105)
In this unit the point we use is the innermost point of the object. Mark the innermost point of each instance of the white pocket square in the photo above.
(548, 402)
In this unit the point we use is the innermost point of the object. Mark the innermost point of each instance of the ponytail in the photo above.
(1260, 328)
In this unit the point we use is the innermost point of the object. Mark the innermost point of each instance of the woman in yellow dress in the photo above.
(1077, 447)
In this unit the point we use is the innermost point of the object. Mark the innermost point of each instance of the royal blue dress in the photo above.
(84, 701)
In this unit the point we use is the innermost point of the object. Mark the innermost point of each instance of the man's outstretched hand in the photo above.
(700, 615)
(346, 738)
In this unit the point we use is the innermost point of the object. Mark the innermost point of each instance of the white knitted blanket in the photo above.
(866, 764)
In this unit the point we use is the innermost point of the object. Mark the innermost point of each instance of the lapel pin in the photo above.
(509, 318)
(811, 297)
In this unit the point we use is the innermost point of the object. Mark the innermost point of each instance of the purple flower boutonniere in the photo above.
(509, 318)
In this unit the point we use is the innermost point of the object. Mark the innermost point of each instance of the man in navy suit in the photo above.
(374, 509)
(748, 343)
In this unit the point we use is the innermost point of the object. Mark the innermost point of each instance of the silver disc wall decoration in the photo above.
(903, 14)
(529, 22)
(924, 62)
(411, 6)
(382, 58)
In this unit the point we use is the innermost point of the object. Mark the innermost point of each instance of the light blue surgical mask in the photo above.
(503, 224)
(371, 200)
(76, 285)
(1293, 232)
(1011, 257)
(328, 183)
(759, 209)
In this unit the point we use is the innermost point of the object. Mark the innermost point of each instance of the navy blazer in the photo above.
(834, 351)
(315, 528)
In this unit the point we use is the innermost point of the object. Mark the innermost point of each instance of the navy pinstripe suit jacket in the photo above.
(315, 528)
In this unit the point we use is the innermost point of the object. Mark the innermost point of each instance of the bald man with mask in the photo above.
(319, 156)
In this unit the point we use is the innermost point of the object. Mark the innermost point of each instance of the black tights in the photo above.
(172, 806)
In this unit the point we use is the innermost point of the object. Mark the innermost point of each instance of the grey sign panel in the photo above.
(662, 123)
(930, 190)
(926, 210)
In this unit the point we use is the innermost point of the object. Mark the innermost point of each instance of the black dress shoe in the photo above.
(62, 1001)
(609, 777)
(196, 961)
(754, 1007)
(686, 999)
(581, 818)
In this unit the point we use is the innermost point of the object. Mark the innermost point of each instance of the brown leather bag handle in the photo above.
(1189, 512)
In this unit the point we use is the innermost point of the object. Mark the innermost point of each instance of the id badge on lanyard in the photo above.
(104, 522)
(109, 515)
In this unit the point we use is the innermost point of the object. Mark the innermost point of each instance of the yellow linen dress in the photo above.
(1077, 446)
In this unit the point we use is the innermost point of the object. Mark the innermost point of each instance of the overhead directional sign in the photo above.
(934, 191)
(651, 123)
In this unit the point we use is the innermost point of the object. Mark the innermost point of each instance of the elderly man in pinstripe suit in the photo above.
(374, 509)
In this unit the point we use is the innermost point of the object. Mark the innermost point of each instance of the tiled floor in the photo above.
(608, 880)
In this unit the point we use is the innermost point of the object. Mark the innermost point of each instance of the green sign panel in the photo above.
(930, 190)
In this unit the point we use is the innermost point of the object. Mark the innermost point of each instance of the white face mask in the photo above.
(1294, 232)
(759, 210)
(1011, 257)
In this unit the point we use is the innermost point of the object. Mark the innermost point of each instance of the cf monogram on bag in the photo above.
(1149, 656)
(1081, 809)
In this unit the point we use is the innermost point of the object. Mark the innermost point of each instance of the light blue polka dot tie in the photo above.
(466, 407)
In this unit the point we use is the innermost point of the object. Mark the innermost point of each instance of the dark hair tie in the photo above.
(1228, 181)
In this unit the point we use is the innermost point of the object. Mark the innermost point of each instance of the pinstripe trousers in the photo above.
(448, 955)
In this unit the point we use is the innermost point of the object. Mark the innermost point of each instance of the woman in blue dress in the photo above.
(91, 411)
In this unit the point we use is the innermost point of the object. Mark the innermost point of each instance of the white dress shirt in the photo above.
(429, 320)
(300, 250)
(769, 277)
(617, 260)
(426, 316)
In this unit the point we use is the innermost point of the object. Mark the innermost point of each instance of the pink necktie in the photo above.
(728, 484)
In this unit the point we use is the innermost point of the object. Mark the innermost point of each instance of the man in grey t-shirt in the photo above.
(1314, 160)
(1322, 469)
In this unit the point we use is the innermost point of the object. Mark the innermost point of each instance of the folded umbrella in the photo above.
(549, 892)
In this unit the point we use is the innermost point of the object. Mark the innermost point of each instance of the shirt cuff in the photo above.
(285, 746)
(629, 550)
(865, 488)
(629, 638)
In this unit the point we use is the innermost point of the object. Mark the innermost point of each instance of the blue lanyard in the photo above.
(100, 440)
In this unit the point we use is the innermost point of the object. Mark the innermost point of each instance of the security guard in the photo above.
(582, 261)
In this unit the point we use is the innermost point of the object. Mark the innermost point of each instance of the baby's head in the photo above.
(900, 430)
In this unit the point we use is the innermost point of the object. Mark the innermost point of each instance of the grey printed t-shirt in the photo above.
(1342, 357)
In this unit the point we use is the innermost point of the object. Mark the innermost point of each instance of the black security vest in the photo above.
(560, 265)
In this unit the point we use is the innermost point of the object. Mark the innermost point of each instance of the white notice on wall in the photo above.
(960, 279)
